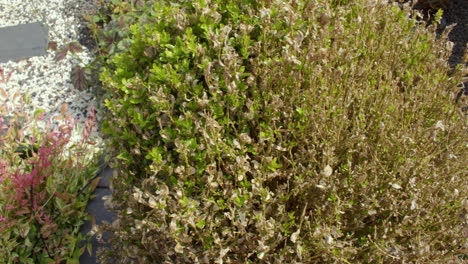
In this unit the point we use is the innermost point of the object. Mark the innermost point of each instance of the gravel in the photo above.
(46, 80)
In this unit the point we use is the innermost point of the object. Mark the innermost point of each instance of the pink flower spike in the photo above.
(92, 113)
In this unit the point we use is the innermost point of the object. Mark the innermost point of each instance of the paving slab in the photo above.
(105, 175)
(23, 41)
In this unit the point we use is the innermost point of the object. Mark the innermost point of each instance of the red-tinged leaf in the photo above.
(3, 93)
(66, 197)
(22, 212)
(52, 45)
(61, 54)
(2, 74)
(92, 186)
(88, 18)
(60, 195)
(46, 234)
(65, 129)
(63, 109)
(140, 3)
(9, 75)
(121, 22)
(109, 40)
(149, 52)
(79, 78)
(93, 220)
(75, 47)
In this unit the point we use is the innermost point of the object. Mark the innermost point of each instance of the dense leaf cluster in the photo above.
(282, 132)
(43, 176)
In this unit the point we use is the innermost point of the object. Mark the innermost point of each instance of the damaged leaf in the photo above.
(52, 45)
(79, 78)
(61, 54)
(75, 47)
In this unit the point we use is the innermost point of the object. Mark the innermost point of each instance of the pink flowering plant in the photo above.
(42, 186)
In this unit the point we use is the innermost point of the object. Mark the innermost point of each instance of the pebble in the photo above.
(46, 80)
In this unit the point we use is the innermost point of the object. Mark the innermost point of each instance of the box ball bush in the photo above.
(283, 132)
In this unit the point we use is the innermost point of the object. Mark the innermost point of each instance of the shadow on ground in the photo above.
(99, 212)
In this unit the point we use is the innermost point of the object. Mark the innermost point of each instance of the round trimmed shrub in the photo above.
(284, 132)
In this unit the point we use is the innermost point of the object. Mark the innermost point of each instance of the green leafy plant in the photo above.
(42, 175)
(80, 76)
(110, 27)
(3, 78)
(281, 132)
(72, 47)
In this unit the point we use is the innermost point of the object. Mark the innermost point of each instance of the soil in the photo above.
(457, 14)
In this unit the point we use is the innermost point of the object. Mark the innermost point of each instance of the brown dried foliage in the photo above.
(285, 132)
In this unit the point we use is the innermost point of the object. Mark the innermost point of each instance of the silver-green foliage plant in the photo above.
(284, 132)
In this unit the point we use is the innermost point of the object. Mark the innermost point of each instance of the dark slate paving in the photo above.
(23, 41)
(96, 208)
(105, 175)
